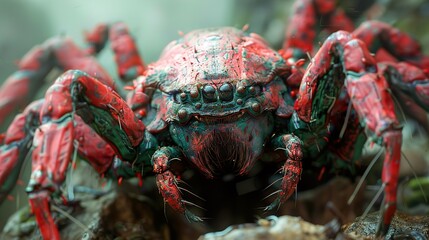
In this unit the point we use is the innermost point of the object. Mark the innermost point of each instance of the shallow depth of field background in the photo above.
(25, 23)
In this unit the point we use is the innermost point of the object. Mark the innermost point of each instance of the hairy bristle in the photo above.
(223, 153)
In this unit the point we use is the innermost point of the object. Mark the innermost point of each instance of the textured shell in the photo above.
(214, 56)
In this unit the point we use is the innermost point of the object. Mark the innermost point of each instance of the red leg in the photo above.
(292, 168)
(53, 143)
(378, 35)
(54, 139)
(411, 86)
(39, 203)
(348, 62)
(167, 181)
(96, 39)
(304, 26)
(339, 21)
(404, 78)
(408, 79)
(16, 146)
(17, 143)
(92, 148)
(54, 146)
(127, 58)
(15, 91)
(370, 96)
(61, 52)
(106, 112)
(101, 155)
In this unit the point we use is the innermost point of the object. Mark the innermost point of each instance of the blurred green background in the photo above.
(25, 23)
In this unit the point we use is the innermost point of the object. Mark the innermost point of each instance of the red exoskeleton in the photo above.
(218, 99)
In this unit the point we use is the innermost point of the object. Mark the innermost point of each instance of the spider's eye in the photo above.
(225, 92)
(180, 97)
(255, 89)
(209, 93)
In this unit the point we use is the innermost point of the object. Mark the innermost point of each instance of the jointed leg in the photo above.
(292, 146)
(61, 52)
(98, 153)
(20, 87)
(127, 58)
(58, 52)
(304, 26)
(378, 35)
(96, 39)
(53, 149)
(343, 60)
(166, 180)
(408, 79)
(16, 145)
(370, 96)
(101, 108)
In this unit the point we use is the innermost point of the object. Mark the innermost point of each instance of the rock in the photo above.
(403, 225)
(284, 227)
